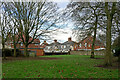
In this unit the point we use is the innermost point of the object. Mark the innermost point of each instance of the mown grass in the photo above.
(70, 66)
(0, 69)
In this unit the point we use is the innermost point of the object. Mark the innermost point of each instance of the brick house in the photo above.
(86, 43)
(33, 48)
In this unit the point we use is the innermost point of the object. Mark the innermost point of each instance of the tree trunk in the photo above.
(94, 38)
(3, 46)
(119, 49)
(119, 59)
(108, 55)
(26, 51)
(14, 42)
(15, 50)
(3, 49)
(119, 54)
(14, 45)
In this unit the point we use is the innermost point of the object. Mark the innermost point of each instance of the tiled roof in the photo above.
(30, 39)
(55, 43)
(69, 42)
(89, 39)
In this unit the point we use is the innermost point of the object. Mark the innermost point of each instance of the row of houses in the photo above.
(85, 44)
(60, 47)
(57, 47)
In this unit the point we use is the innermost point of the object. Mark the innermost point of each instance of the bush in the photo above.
(7, 52)
(116, 46)
(18, 52)
(116, 52)
(10, 52)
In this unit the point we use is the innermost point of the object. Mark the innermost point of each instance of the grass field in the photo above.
(70, 66)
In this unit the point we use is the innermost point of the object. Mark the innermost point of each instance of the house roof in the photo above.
(90, 39)
(20, 40)
(35, 40)
(87, 39)
(69, 42)
(55, 43)
(43, 44)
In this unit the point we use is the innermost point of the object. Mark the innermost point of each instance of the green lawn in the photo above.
(70, 66)
(0, 69)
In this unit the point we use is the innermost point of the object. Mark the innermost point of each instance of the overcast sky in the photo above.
(63, 34)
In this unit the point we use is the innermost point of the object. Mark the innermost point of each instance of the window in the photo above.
(89, 45)
(75, 46)
(64, 46)
(85, 44)
(80, 45)
(21, 44)
(48, 47)
(55, 47)
(71, 47)
(36, 44)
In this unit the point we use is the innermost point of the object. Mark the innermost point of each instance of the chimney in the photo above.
(44, 41)
(55, 40)
(69, 39)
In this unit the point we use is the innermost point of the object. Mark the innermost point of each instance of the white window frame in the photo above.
(85, 44)
(48, 47)
(64, 46)
(75, 46)
(89, 45)
(80, 45)
(21, 44)
(71, 47)
(56, 47)
(36, 44)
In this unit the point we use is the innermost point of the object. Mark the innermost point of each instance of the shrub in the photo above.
(10, 52)
(18, 52)
(117, 52)
(7, 52)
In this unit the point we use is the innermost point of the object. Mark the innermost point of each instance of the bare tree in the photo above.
(34, 19)
(87, 17)
(5, 27)
(92, 16)
(110, 9)
(14, 35)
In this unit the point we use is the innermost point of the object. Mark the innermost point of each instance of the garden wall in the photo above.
(84, 52)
